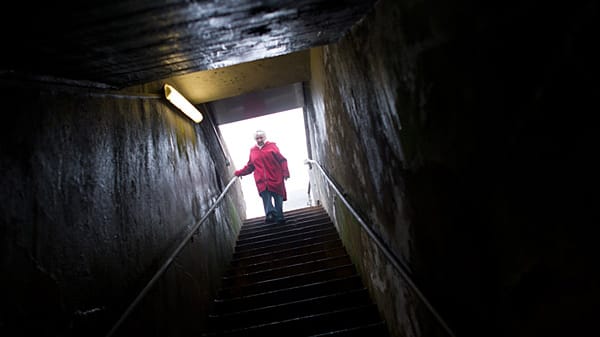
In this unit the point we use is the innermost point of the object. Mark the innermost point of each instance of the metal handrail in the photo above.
(218, 135)
(164, 267)
(386, 251)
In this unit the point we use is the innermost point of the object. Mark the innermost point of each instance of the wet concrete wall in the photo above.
(462, 134)
(97, 190)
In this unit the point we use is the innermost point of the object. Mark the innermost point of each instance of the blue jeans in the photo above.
(273, 203)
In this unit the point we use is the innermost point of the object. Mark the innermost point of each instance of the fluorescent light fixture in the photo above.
(182, 103)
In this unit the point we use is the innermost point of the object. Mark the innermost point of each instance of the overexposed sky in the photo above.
(286, 129)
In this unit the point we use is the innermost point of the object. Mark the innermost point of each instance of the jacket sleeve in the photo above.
(283, 163)
(249, 168)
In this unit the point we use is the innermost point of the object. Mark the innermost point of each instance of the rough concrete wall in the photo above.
(96, 192)
(461, 132)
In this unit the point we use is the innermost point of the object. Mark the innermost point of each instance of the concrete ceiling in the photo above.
(212, 85)
(209, 50)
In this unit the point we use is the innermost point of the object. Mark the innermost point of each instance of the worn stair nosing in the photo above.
(269, 248)
(257, 223)
(263, 275)
(354, 277)
(283, 239)
(293, 279)
(289, 214)
(236, 270)
(343, 332)
(237, 260)
(350, 267)
(290, 223)
(306, 317)
(283, 232)
(304, 300)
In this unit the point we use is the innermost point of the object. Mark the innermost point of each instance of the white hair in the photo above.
(260, 133)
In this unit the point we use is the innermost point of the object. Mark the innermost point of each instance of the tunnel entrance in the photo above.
(287, 130)
(279, 112)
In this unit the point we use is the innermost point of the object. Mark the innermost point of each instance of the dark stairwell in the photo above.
(293, 280)
(463, 133)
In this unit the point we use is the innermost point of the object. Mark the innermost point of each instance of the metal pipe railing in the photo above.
(217, 134)
(168, 262)
(395, 261)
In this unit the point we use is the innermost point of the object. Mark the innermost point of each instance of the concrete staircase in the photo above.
(293, 280)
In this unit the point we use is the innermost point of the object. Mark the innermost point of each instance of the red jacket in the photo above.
(270, 168)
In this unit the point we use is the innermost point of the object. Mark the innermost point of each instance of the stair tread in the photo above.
(282, 271)
(313, 300)
(282, 232)
(311, 288)
(287, 310)
(257, 266)
(262, 227)
(293, 280)
(336, 318)
(291, 251)
(358, 331)
(284, 238)
(274, 248)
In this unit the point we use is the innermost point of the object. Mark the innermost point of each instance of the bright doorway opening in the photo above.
(287, 130)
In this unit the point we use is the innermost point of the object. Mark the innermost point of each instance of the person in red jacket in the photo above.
(270, 169)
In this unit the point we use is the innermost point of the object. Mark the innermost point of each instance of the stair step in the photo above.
(283, 230)
(293, 279)
(251, 267)
(311, 324)
(299, 242)
(257, 229)
(284, 237)
(377, 329)
(288, 252)
(290, 294)
(289, 310)
(289, 281)
(285, 271)
(293, 214)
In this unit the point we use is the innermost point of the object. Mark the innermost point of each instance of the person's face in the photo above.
(260, 140)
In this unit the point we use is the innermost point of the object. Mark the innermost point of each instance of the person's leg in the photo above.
(268, 205)
(279, 207)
